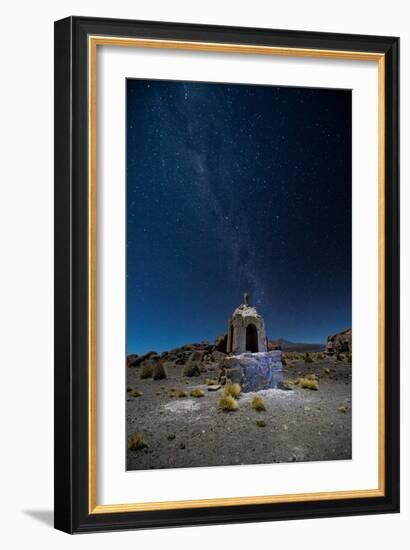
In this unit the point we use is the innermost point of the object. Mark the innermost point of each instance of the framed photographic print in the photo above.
(226, 274)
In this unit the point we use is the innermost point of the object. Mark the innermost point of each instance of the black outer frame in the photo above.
(71, 275)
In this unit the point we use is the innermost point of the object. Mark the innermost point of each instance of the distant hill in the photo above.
(285, 345)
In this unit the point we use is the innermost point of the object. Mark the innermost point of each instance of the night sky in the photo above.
(234, 188)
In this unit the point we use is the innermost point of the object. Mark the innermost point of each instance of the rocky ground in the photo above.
(184, 431)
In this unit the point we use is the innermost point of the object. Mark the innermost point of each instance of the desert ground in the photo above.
(177, 430)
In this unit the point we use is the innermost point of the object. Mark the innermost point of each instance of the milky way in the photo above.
(234, 188)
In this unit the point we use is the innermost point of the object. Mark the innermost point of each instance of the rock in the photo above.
(340, 342)
(132, 360)
(196, 356)
(255, 371)
(218, 356)
(189, 347)
(150, 362)
(220, 343)
(273, 345)
(191, 369)
(214, 387)
(287, 386)
(145, 357)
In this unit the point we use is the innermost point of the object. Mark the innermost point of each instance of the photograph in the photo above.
(226, 273)
(238, 274)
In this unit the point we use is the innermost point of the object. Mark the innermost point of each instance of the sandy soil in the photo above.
(301, 424)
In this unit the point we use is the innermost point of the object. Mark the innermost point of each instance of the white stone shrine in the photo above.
(246, 330)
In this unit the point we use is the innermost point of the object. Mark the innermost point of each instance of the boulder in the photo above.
(196, 356)
(254, 371)
(132, 360)
(218, 356)
(137, 360)
(340, 342)
(221, 342)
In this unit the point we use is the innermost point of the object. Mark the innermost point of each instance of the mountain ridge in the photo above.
(287, 345)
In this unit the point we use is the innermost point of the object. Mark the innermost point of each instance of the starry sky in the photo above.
(234, 188)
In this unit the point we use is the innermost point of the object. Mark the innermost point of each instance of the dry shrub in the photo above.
(191, 369)
(260, 423)
(232, 389)
(146, 371)
(308, 358)
(159, 372)
(136, 441)
(284, 361)
(340, 357)
(182, 393)
(129, 388)
(197, 393)
(136, 393)
(210, 382)
(228, 403)
(309, 383)
(258, 404)
(327, 370)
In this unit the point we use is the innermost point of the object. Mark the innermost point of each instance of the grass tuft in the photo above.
(232, 389)
(258, 404)
(159, 372)
(228, 403)
(260, 423)
(146, 371)
(197, 393)
(191, 369)
(136, 442)
(309, 382)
